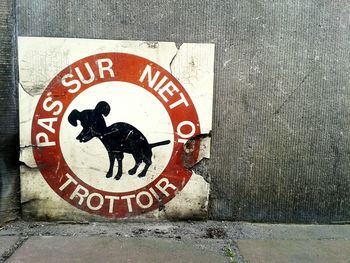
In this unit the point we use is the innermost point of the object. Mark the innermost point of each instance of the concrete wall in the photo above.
(9, 141)
(280, 146)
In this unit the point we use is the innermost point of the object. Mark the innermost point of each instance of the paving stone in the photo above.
(298, 251)
(6, 243)
(107, 249)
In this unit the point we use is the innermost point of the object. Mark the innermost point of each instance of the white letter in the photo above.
(70, 83)
(54, 104)
(88, 201)
(160, 83)
(128, 200)
(49, 127)
(107, 68)
(81, 77)
(150, 199)
(147, 71)
(177, 103)
(69, 180)
(111, 201)
(166, 186)
(168, 90)
(45, 142)
(81, 195)
(188, 135)
(154, 193)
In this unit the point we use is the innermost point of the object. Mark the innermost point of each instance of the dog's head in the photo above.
(92, 121)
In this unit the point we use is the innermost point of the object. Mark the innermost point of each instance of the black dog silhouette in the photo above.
(119, 138)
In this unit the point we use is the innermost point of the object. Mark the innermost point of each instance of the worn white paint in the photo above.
(40, 59)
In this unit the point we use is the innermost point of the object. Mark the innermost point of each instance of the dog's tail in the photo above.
(159, 143)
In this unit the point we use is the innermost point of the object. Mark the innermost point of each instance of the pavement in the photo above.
(197, 241)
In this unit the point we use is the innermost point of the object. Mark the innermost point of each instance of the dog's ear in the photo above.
(73, 117)
(103, 108)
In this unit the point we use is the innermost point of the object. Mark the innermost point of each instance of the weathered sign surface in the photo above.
(112, 128)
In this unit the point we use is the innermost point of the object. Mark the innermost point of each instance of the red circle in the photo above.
(53, 167)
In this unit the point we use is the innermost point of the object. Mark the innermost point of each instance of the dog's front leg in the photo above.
(119, 157)
(111, 164)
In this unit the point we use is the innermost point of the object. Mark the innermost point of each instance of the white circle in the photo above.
(131, 104)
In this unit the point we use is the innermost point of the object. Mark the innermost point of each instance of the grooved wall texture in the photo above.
(280, 139)
(9, 142)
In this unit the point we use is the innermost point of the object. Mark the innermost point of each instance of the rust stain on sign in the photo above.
(113, 130)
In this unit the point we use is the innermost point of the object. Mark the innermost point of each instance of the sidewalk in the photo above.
(173, 242)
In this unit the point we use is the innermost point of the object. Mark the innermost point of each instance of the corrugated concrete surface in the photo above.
(280, 145)
(9, 142)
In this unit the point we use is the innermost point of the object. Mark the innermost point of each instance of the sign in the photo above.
(112, 133)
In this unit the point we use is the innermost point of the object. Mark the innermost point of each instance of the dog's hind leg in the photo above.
(147, 160)
(111, 164)
(119, 157)
(138, 161)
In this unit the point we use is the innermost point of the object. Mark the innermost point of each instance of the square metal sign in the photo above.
(112, 129)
